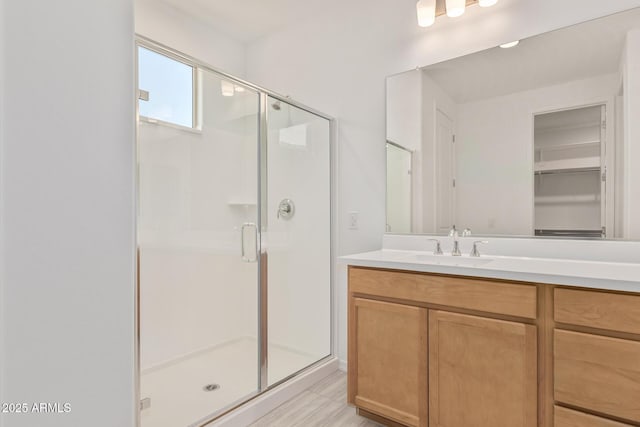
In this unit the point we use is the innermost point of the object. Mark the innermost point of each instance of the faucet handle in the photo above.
(466, 232)
(438, 250)
(475, 251)
(453, 232)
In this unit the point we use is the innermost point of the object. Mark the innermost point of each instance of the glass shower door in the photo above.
(296, 237)
(198, 258)
(399, 204)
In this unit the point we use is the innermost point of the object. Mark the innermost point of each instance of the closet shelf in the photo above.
(575, 164)
(568, 232)
(571, 146)
(584, 198)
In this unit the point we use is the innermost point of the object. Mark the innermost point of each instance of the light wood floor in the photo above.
(322, 405)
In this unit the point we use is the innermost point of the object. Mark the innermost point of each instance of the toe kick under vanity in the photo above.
(513, 342)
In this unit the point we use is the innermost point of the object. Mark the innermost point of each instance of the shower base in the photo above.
(177, 389)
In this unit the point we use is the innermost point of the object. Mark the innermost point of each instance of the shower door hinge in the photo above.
(604, 232)
(454, 183)
(453, 139)
(604, 175)
(604, 124)
(145, 403)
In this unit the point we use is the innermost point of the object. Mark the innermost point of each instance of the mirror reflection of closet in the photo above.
(570, 172)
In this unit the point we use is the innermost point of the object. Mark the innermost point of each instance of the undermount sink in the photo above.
(459, 261)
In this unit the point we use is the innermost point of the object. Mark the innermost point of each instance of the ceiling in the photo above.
(585, 50)
(247, 20)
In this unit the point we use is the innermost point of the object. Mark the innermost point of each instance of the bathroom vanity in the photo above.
(489, 342)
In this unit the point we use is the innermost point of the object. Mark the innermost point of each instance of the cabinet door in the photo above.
(388, 360)
(482, 372)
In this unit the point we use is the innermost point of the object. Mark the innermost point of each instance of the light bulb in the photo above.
(455, 8)
(510, 44)
(487, 3)
(227, 88)
(426, 12)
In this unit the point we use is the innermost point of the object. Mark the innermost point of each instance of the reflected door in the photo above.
(296, 237)
(445, 173)
(197, 237)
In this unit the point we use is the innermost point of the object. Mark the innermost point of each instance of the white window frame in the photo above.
(196, 125)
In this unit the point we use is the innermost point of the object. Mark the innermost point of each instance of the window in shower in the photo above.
(167, 89)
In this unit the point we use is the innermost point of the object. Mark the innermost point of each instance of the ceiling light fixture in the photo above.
(227, 88)
(456, 8)
(426, 12)
(429, 10)
(510, 44)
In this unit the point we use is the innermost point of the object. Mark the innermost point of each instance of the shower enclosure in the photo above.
(234, 247)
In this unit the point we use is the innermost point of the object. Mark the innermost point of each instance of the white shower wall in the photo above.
(196, 292)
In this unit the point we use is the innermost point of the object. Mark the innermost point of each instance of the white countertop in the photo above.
(615, 276)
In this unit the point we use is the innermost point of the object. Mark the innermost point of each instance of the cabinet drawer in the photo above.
(564, 417)
(601, 310)
(474, 294)
(597, 373)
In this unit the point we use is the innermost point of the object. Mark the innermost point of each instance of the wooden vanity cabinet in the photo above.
(446, 351)
(414, 361)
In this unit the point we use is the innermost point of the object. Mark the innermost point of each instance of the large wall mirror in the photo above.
(528, 140)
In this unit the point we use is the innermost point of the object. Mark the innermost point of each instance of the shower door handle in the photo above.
(254, 256)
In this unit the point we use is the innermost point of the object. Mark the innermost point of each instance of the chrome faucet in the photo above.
(475, 252)
(438, 249)
(456, 246)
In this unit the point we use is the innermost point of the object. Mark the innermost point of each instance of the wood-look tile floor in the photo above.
(322, 405)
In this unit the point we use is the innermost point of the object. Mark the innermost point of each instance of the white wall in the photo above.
(405, 107)
(338, 65)
(165, 24)
(2, 132)
(68, 210)
(494, 147)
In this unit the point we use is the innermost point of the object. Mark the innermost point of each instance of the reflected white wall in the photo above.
(504, 125)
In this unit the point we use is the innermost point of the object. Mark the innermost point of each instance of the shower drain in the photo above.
(211, 387)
